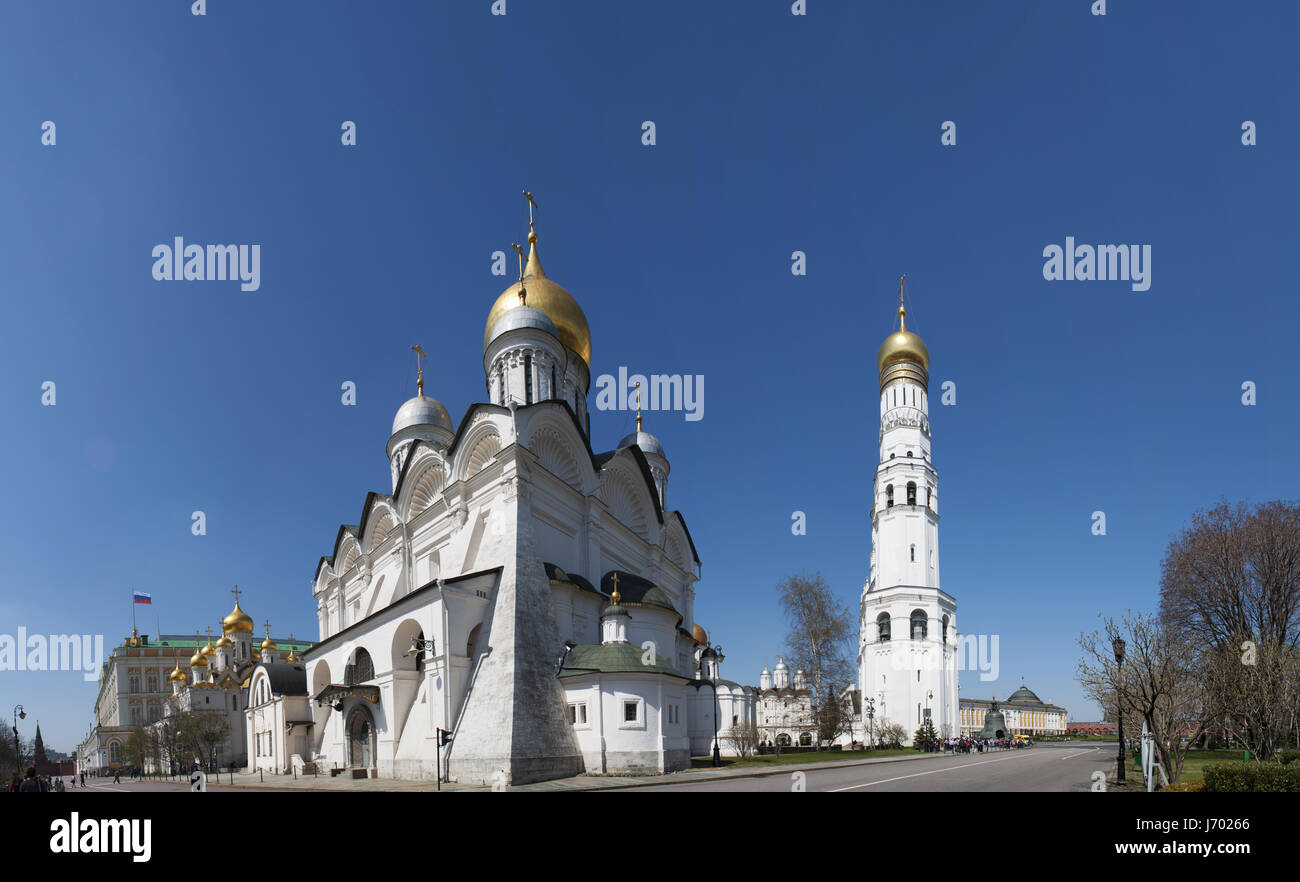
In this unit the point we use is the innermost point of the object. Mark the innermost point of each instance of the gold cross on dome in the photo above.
(236, 592)
(419, 368)
(615, 596)
(523, 294)
(531, 205)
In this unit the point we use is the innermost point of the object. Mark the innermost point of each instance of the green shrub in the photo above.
(1289, 756)
(1189, 786)
(1252, 778)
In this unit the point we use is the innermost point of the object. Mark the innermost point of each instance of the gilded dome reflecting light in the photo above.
(238, 622)
(902, 345)
(556, 303)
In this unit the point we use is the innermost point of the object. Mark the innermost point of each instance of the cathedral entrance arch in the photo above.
(361, 738)
(783, 740)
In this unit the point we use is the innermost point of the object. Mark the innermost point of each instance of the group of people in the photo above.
(970, 744)
(35, 783)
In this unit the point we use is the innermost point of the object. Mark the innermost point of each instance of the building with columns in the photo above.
(520, 605)
(1024, 712)
(907, 655)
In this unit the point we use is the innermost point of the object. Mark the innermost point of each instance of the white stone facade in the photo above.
(908, 628)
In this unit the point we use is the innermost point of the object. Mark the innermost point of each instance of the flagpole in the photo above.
(133, 611)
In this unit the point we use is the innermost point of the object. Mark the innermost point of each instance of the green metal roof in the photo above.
(614, 658)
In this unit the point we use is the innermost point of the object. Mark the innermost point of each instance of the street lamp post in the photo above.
(19, 713)
(871, 721)
(1118, 646)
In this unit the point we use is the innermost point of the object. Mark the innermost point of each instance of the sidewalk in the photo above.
(582, 782)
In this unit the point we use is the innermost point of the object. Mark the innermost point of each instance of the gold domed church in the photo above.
(520, 605)
(151, 679)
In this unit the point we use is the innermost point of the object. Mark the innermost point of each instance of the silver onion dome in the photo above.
(647, 442)
(521, 317)
(422, 411)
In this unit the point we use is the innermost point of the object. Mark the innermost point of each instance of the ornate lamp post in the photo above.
(19, 714)
(1118, 646)
(870, 708)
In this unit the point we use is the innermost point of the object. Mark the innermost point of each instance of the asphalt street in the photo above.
(1043, 768)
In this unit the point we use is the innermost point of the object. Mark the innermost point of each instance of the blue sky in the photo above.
(775, 133)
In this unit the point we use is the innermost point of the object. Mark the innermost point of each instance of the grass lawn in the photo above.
(795, 759)
(1196, 760)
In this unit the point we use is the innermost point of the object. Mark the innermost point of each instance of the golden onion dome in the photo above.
(902, 345)
(556, 303)
(268, 645)
(238, 622)
(224, 642)
(700, 635)
(197, 660)
(177, 676)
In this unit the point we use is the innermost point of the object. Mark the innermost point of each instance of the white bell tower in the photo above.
(907, 653)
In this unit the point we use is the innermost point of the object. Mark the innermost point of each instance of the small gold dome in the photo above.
(700, 635)
(224, 642)
(902, 345)
(238, 622)
(209, 650)
(268, 645)
(197, 660)
(558, 305)
(177, 676)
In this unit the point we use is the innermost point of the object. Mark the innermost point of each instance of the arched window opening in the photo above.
(528, 378)
(361, 669)
(911, 493)
(913, 554)
(945, 629)
(919, 623)
(882, 625)
(889, 496)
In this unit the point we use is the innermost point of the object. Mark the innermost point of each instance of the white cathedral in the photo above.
(520, 607)
(907, 655)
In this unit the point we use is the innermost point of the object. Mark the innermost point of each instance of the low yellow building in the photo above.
(1025, 712)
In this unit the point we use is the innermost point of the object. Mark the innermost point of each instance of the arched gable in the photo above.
(481, 445)
(423, 482)
(558, 448)
(676, 545)
(627, 497)
(378, 521)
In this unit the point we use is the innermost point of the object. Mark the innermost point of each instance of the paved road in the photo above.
(1055, 767)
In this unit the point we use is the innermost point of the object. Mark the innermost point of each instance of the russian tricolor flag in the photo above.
(141, 597)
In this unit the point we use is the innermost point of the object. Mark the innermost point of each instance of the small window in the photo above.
(913, 554)
(892, 455)
(909, 453)
(629, 711)
(889, 496)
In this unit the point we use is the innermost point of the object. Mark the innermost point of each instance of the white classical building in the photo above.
(785, 711)
(476, 599)
(907, 652)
